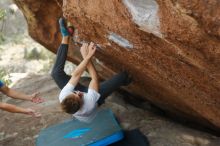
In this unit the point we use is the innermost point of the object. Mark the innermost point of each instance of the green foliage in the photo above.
(2, 39)
(3, 13)
(11, 11)
(4, 76)
(34, 54)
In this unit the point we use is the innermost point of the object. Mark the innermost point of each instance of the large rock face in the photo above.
(171, 48)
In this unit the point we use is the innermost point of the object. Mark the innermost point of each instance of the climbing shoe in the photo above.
(63, 29)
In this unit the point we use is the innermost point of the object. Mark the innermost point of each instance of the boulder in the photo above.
(171, 48)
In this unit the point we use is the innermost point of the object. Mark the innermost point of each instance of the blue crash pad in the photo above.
(101, 131)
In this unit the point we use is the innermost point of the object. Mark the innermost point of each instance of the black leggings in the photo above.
(106, 87)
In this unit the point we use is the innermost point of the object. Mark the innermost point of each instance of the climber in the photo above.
(18, 95)
(75, 98)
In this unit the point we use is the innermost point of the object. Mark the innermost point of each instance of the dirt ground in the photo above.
(22, 130)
